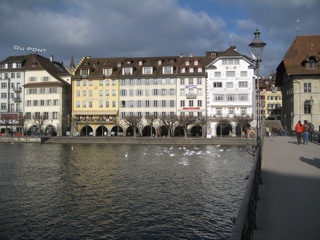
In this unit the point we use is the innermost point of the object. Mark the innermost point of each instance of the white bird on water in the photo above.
(126, 155)
(71, 147)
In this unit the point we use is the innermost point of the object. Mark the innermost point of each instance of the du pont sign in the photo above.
(33, 49)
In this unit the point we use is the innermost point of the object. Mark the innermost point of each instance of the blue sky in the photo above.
(132, 28)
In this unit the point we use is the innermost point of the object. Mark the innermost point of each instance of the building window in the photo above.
(243, 74)
(199, 103)
(55, 115)
(107, 104)
(230, 74)
(243, 111)
(155, 103)
(147, 103)
(242, 84)
(229, 84)
(219, 98)
(114, 92)
(114, 104)
(242, 97)
(147, 70)
(307, 107)
(84, 72)
(219, 111)
(217, 84)
(171, 103)
(100, 104)
(122, 92)
(167, 70)
(182, 103)
(127, 71)
(190, 103)
(231, 97)
(217, 74)
(107, 71)
(163, 103)
(199, 81)
(307, 87)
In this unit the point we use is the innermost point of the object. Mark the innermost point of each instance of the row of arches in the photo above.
(195, 131)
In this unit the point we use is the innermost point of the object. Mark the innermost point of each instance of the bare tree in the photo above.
(242, 121)
(169, 121)
(21, 122)
(185, 122)
(202, 121)
(39, 121)
(151, 119)
(134, 122)
(7, 120)
(222, 122)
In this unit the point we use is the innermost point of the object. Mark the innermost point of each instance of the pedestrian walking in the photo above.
(306, 127)
(299, 131)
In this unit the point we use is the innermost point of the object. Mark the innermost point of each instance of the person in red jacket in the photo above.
(299, 131)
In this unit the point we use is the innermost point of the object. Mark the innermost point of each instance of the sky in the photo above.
(150, 28)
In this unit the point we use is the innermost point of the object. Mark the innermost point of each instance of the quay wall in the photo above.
(130, 140)
(148, 140)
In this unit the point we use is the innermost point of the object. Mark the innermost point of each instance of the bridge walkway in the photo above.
(289, 205)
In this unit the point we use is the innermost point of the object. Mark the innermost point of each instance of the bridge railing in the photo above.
(245, 222)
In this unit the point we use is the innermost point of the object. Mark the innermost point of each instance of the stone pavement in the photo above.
(289, 206)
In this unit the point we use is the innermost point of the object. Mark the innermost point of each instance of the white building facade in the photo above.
(47, 92)
(230, 90)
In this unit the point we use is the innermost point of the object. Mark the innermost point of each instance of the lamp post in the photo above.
(257, 46)
(311, 101)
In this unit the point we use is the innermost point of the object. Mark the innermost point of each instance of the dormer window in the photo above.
(311, 65)
(199, 69)
(107, 71)
(159, 62)
(310, 62)
(196, 62)
(191, 70)
(84, 72)
(147, 70)
(167, 70)
(127, 71)
(187, 63)
(183, 70)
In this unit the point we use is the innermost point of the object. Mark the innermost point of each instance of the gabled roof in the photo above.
(302, 49)
(16, 59)
(212, 56)
(55, 69)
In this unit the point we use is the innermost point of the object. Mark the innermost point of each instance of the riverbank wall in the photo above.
(148, 140)
(130, 140)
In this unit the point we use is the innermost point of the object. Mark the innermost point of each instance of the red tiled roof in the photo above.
(302, 48)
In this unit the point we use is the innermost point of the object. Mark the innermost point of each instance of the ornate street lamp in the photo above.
(257, 46)
(311, 101)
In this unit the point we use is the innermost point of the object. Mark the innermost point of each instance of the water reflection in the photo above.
(120, 191)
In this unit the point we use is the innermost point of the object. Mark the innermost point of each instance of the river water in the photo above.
(92, 191)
